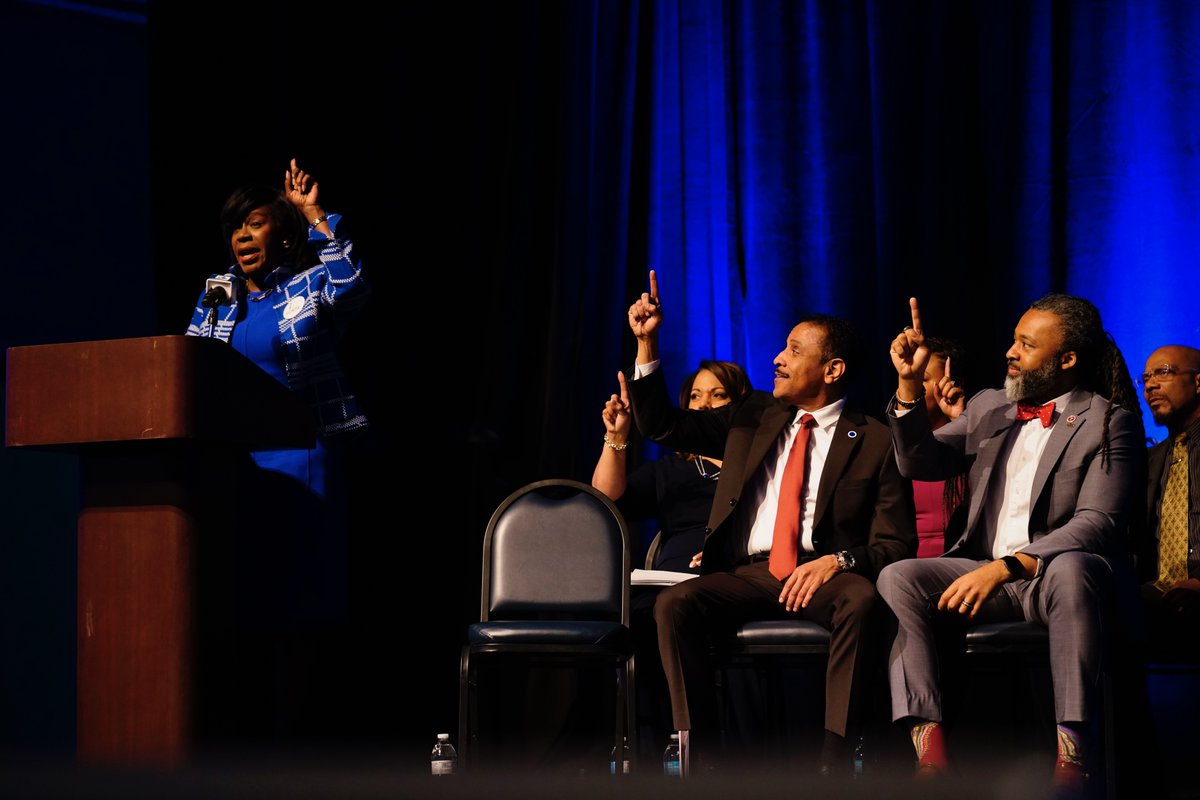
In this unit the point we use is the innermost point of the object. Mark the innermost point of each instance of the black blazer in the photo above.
(863, 505)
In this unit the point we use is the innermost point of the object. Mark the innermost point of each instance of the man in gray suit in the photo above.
(1053, 461)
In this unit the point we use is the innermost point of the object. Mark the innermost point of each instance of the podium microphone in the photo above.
(217, 292)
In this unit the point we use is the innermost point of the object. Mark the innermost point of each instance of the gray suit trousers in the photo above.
(1068, 598)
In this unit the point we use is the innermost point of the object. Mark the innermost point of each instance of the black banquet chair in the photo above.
(556, 566)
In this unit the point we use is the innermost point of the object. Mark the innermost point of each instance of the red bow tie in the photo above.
(1025, 411)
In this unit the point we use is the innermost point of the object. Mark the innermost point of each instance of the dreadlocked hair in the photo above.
(1100, 365)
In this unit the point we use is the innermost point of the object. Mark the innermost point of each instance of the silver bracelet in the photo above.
(614, 445)
(312, 226)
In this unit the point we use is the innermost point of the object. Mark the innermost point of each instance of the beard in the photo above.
(1033, 383)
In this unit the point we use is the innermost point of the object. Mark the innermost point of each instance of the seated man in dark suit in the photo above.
(1052, 462)
(808, 508)
(1169, 553)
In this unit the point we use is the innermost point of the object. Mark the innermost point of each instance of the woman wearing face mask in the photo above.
(678, 488)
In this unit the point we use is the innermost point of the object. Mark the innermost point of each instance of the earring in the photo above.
(286, 244)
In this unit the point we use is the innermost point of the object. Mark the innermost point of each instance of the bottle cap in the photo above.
(443, 736)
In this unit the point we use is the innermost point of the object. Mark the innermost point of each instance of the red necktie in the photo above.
(785, 544)
(1025, 411)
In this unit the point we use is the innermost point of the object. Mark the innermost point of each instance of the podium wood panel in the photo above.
(135, 635)
(159, 423)
(147, 389)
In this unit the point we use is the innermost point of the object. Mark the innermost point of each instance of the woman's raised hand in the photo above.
(300, 188)
(949, 395)
(616, 414)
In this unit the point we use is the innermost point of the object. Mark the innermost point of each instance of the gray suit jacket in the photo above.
(1078, 504)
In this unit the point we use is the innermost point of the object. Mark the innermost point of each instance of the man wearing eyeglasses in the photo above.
(1169, 560)
(1053, 463)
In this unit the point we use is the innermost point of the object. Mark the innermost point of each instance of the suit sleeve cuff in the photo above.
(894, 409)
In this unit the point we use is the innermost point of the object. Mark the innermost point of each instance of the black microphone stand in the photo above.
(213, 298)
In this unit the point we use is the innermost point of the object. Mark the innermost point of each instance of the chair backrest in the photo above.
(556, 549)
(652, 551)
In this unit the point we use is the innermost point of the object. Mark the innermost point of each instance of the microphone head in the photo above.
(218, 291)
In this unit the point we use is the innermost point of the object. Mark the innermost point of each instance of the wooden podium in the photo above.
(157, 423)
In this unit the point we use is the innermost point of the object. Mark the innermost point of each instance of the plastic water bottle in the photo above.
(618, 762)
(444, 758)
(859, 758)
(671, 763)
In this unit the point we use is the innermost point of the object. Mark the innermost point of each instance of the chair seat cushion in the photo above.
(571, 633)
(782, 632)
(1008, 637)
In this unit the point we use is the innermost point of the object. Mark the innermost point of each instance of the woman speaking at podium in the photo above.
(294, 284)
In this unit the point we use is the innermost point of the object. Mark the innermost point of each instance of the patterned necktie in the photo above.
(1173, 520)
(785, 542)
(1045, 413)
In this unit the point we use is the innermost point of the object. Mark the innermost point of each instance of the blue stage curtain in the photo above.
(839, 157)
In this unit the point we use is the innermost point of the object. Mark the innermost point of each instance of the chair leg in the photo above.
(619, 727)
(1107, 733)
(685, 753)
(631, 709)
(465, 696)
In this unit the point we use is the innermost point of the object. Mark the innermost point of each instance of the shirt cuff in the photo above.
(896, 410)
(642, 370)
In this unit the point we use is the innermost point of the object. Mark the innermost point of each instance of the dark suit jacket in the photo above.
(1158, 458)
(863, 505)
(1078, 503)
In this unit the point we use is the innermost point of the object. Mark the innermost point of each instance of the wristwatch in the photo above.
(1015, 568)
(845, 561)
(910, 404)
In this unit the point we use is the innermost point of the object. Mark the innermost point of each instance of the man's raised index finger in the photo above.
(653, 287)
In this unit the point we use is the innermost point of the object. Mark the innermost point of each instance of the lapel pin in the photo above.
(852, 434)
(1071, 419)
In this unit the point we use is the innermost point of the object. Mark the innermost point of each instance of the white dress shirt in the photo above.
(766, 483)
(764, 491)
(1010, 501)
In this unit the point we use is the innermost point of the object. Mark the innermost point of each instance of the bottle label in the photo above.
(442, 767)
(671, 768)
